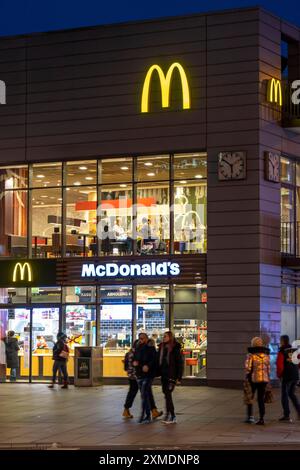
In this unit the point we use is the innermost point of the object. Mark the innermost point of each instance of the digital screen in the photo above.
(116, 312)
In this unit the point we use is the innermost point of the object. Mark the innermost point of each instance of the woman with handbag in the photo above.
(257, 369)
(60, 357)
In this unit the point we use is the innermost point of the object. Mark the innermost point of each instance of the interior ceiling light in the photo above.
(40, 176)
(88, 178)
(124, 168)
(198, 176)
(123, 185)
(77, 183)
(150, 174)
(182, 182)
(82, 168)
(148, 164)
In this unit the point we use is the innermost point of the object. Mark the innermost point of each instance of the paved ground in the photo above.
(33, 415)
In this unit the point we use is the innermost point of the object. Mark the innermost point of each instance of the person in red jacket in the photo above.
(288, 373)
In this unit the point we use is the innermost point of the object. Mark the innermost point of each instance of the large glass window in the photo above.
(45, 326)
(115, 225)
(15, 177)
(81, 173)
(13, 223)
(111, 206)
(115, 170)
(190, 327)
(156, 168)
(18, 321)
(115, 327)
(81, 221)
(45, 175)
(45, 295)
(46, 222)
(81, 325)
(153, 218)
(152, 311)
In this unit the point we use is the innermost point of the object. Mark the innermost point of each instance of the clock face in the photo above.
(232, 166)
(272, 166)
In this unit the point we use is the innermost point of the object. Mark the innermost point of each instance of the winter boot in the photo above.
(65, 385)
(126, 413)
(156, 413)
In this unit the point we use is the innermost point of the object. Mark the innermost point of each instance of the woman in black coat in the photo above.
(12, 356)
(170, 369)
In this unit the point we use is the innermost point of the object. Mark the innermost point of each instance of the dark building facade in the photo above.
(140, 169)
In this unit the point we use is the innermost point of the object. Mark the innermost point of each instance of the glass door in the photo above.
(45, 326)
(15, 356)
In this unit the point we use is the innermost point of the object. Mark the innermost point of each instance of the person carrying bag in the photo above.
(60, 356)
(257, 374)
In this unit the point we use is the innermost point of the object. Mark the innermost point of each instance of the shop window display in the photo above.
(115, 327)
(45, 326)
(190, 327)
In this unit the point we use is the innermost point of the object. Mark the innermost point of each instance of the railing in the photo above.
(290, 238)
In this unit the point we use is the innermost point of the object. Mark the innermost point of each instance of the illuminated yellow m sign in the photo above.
(274, 91)
(20, 272)
(165, 83)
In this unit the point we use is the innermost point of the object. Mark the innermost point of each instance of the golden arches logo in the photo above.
(274, 91)
(22, 269)
(165, 83)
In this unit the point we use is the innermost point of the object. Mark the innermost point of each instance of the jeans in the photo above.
(62, 366)
(288, 391)
(145, 389)
(167, 391)
(13, 374)
(133, 389)
(261, 389)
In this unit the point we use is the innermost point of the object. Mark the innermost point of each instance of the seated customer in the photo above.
(119, 232)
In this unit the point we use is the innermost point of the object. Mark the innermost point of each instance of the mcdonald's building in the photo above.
(150, 180)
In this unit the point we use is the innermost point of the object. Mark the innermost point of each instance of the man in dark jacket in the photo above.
(144, 362)
(12, 356)
(288, 372)
(60, 357)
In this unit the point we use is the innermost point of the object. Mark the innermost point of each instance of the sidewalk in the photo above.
(91, 417)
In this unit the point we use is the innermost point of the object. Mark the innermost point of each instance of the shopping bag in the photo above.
(269, 396)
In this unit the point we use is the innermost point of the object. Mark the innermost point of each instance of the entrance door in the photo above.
(15, 320)
(45, 326)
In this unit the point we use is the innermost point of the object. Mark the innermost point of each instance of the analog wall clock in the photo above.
(272, 167)
(231, 166)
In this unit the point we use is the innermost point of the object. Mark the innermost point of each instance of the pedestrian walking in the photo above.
(288, 373)
(12, 355)
(133, 385)
(170, 367)
(257, 369)
(60, 357)
(144, 362)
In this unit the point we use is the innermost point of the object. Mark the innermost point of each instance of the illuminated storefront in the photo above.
(135, 244)
(140, 181)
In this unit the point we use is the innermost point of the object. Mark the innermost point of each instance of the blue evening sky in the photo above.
(26, 16)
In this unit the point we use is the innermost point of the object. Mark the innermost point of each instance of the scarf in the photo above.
(170, 347)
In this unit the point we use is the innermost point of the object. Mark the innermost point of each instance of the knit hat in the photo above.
(256, 342)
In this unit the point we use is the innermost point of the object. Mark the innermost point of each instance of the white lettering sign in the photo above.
(296, 94)
(164, 268)
(2, 92)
